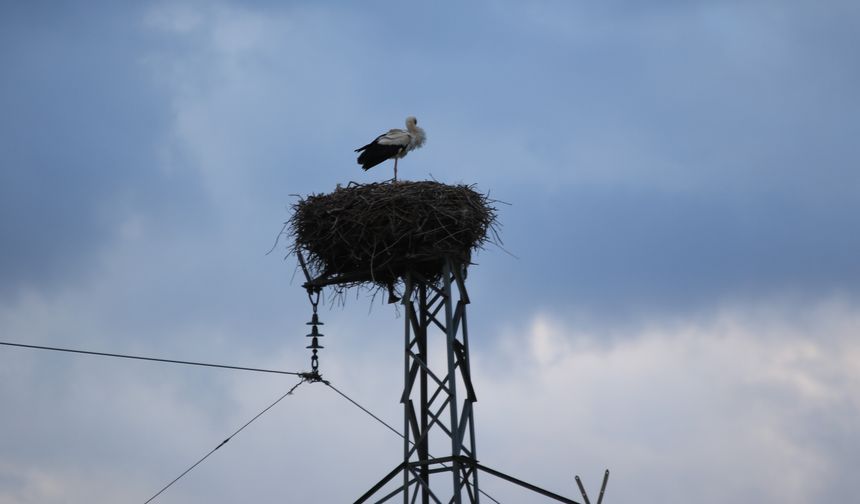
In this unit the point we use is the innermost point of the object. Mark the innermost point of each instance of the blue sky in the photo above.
(679, 302)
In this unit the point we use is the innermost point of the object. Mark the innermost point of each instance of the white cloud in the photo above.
(753, 402)
(735, 403)
(174, 17)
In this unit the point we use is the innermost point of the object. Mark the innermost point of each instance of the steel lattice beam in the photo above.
(434, 325)
(435, 319)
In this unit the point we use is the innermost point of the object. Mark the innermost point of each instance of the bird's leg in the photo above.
(395, 169)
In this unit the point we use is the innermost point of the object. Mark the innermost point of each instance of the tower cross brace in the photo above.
(437, 397)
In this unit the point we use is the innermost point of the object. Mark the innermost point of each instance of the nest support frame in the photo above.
(438, 399)
(428, 232)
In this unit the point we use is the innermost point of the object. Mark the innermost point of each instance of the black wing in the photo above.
(374, 153)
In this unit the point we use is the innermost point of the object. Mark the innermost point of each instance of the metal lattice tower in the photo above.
(438, 397)
(346, 233)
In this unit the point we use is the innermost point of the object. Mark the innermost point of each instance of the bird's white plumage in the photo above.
(394, 137)
(395, 144)
(409, 139)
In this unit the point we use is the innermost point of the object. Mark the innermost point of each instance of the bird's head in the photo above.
(411, 122)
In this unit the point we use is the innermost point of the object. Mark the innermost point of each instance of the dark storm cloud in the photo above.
(79, 130)
(700, 153)
(703, 148)
(610, 249)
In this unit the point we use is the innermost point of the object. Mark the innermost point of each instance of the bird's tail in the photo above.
(373, 154)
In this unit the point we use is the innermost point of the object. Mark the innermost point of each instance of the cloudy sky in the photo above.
(678, 298)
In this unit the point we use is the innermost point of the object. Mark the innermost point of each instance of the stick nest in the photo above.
(374, 233)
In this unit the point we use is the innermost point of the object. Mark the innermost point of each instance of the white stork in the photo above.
(394, 144)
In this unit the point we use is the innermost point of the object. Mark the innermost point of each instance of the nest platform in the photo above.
(375, 233)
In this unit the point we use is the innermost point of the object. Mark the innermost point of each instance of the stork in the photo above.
(394, 144)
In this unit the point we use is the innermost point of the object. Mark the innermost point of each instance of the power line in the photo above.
(362, 408)
(258, 415)
(154, 359)
(312, 377)
(392, 429)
